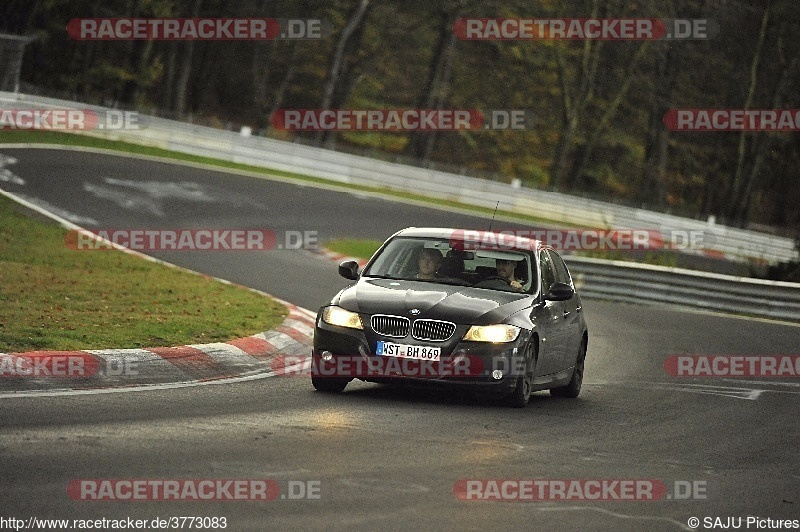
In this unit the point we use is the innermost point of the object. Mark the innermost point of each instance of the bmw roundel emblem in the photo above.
(414, 311)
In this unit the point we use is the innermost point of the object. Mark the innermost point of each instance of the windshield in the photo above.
(436, 260)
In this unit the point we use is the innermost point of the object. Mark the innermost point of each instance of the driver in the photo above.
(429, 261)
(505, 269)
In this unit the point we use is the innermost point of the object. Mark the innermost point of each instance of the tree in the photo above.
(335, 89)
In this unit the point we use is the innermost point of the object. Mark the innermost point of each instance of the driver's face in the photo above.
(505, 268)
(428, 264)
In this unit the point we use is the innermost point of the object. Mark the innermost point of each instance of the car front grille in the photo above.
(433, 330)
(394, 326)
(398, 327)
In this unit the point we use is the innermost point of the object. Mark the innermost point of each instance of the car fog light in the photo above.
(327, 356)
(497, 374)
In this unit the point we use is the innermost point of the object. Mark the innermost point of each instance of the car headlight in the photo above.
(496, 334)
(342, 318)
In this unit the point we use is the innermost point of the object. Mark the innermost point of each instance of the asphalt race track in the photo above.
(378, 457)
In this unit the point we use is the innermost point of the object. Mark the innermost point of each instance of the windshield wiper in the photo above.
(439, 280)
(448, 280)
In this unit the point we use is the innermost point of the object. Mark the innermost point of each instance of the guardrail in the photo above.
(643, 283)
(732, 243)
(616, 280)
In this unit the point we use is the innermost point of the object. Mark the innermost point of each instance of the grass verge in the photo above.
(56, 298)
(354, 247)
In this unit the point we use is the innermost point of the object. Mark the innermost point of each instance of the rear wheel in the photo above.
(573, 389)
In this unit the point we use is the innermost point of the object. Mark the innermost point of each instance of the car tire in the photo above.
(573, 389)
(329, 384)
(521, 395)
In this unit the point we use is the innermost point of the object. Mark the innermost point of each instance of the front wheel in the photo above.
(522, 391)
(573, 389)
(329, 384)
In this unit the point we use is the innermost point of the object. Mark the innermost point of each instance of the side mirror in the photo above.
(559, 292)
(349, 270)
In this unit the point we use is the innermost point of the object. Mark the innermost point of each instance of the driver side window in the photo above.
(561, 271)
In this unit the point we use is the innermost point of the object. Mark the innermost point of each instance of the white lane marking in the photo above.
(48, 209)
(708, 389)
(154, 196)
(493, 444)
(613, 514)
(147, 195)
(255, 468)
(383, 485)
(124, 200)
(7, 175)
(769, 383)
(184, 190)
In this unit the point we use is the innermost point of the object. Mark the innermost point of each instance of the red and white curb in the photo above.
(259, 355)
(248, 358)
(338, 258)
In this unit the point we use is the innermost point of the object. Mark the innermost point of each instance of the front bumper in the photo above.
(471, 365)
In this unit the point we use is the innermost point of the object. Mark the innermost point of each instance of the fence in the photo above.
(718, 240)
(642, 283)
(620, 281)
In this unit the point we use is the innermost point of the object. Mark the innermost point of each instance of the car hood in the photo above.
(458, 304)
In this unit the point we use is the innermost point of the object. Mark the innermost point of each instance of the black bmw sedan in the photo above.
(491, 311)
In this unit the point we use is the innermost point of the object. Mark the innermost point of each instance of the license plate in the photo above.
(417, 352)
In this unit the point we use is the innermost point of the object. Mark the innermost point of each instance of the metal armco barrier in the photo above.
(717, 240)
(619, 281)
(642, 283)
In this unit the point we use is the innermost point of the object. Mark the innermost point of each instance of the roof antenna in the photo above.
(493, 215)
